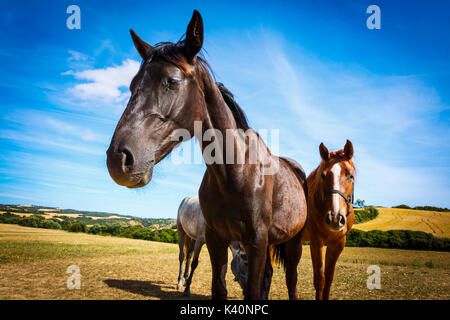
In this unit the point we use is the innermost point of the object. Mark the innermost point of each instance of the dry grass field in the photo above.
(436, 223)
(33, 264)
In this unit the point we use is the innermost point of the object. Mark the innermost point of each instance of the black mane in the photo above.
(236, 110)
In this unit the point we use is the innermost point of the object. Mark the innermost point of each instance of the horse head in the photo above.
(337, 173)
(166, 95)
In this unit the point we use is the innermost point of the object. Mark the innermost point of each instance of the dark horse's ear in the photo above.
(348, 149)
(323, 152)
(142, 47)
(194, 36)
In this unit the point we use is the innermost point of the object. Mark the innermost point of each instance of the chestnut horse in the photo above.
(259, 202)
(330, 209)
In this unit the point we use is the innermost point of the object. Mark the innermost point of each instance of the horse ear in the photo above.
(194, 36)
(348, 149)
(142, 47)
(323, 152)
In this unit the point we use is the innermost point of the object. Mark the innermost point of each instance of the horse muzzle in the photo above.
(124, 169)
(335, 222)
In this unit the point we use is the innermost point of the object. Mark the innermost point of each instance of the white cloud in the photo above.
(105, 84)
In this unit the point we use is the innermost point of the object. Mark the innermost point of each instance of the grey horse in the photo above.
(191, 228)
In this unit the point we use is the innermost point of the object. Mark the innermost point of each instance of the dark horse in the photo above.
(253, 197)
(330, 198)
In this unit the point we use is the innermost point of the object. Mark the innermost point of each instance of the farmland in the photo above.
(436, 223)
(88, 217)
(33, 264)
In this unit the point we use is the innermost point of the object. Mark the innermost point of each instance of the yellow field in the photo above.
(33, 264)
(436, 223)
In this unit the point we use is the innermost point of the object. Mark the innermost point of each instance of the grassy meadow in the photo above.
(33, 264)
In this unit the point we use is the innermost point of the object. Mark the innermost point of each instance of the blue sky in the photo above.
(311, 69)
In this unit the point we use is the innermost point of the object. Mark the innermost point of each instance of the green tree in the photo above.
(359, 203)
(77, 227)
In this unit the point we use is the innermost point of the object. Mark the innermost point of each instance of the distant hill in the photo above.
(88, 217)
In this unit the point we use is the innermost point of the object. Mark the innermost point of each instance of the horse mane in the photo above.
(315, 180)
(236, 110)
(174, 53)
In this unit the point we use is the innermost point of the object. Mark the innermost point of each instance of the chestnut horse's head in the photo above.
(166, 95)
(338, 178)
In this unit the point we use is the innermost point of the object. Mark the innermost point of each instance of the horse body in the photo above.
(330, 214)
(191, 228)
(191, 218)
(224, 207)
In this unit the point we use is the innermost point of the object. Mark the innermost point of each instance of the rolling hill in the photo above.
(436, 223)
(88, 217)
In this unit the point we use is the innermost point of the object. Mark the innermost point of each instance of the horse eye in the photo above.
(323, 175)
(172, 83)
(351, 177)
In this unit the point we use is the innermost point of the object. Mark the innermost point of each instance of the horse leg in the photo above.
(267, 280)
(189, 249)
(293, 255)
(218, 254)
(334, 250)
(315, 247)
(256, 252)
(198, 247)
(182, 237)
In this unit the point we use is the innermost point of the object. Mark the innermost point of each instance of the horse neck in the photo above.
(218, 116)
(316, 190)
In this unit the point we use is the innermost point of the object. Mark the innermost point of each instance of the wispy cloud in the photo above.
(78, 61)
(48, 142)
(390, 119)
(63, 127)
(17, 196)
(77, 56)
(382, 115)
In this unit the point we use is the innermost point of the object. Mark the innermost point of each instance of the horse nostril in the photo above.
(328, 219)
(341, 219)
(128, 160)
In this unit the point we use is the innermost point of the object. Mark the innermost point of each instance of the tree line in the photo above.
(426, 208)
